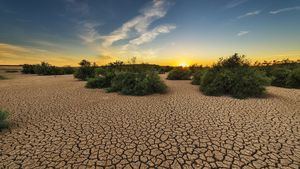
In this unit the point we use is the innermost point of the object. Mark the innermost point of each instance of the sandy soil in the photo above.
(59, 123)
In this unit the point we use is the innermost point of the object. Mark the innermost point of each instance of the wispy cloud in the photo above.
(150, 35)
(132, 33)
(253, 13)
(89, 32)
(158, 9)
(235, 3)
(285, 10)
(242, 33)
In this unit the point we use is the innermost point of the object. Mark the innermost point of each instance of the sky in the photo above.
(165, 32)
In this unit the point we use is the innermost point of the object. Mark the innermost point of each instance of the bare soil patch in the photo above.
(59, 123)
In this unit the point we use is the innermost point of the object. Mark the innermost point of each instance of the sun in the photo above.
(183, 64)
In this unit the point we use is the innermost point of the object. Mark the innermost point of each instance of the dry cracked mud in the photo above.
(57, 123)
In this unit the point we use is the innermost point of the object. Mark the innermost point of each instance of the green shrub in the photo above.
(46, 69)
(248, 83)
(85, 71)
(216, 83)
(233, 76)
(141, 83)
(100, 71)
(102, 80)
(195, 68)
(3, 117)
(293, 79)
(234, 61)
(179, 74)
(67, 70)
(167, 68)
(28, 69)
(196, 79)
(118, 81)
(280, 77)
(160, 70)
(98, 82)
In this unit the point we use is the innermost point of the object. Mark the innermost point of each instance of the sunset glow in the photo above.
(183, 65)
(164, 32)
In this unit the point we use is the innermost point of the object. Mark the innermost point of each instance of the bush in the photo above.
(98, 82)
(248, 83)
(28, 69)
(195, 68)
(293, 79)
(216, 83)
(196, 79)
(103, 81)
(3, 117)
(100, 71)
(85, 71)
(46, 69)
(233, 76)
(234, 61)
(142, 83)
(279, 77)
(67, 70)
(179, 74)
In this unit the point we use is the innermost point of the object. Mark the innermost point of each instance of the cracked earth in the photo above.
(57, 123)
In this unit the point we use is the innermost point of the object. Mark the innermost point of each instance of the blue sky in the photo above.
(155, 31)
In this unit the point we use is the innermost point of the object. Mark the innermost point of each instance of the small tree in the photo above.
(85, 70)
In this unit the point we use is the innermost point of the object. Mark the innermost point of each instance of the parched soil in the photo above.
(56, 122)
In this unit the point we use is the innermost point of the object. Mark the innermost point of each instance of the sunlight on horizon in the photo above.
(183, 64)
(152, 31)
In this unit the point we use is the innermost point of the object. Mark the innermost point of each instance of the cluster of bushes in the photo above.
(3, 119)
(137, 83)
(121, 66)
(2, 77)
(283, 77)
(115, 77)
(179, 73)
(232, 76)
(284, 73)
(46, 69)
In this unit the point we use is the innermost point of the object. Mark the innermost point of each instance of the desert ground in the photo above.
(57, 123)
